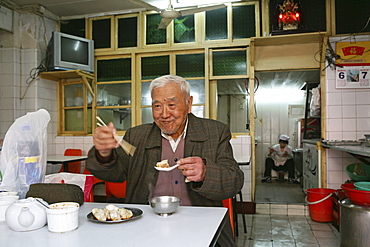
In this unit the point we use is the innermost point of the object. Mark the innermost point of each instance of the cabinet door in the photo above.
(76, 109)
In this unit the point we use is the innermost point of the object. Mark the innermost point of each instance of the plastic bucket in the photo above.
(320, 204)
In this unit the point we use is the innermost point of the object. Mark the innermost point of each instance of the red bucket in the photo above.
(320, 204)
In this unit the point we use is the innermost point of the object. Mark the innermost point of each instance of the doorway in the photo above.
(280, 104)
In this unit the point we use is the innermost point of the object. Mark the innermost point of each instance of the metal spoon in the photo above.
(166, 169)
(42, 203)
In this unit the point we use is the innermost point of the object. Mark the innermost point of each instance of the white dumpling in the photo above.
(114, 215)
(111, 207)
(99, 214)
(125, 214)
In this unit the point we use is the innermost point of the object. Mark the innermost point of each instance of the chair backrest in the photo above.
(73, 167)
(228, 203)
(96, 181)
(115, 190)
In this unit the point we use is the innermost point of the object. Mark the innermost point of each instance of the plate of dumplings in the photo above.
(113, 214)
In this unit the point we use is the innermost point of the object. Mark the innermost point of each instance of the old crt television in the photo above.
(68, 52)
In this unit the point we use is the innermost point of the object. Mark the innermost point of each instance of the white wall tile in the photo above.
(334, 112)
(363, 124)
(334, 99)
(363, 110)
(336, 177)
(334, 135)
(347, 135)
(362, 97)
(348, 111)
(349, 124)
(334, 124)
(348, 98)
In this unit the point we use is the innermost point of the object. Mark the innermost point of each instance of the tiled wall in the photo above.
(242, 153)
(348, 118)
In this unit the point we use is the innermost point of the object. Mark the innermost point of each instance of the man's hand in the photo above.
(192, 168)
(104, 140)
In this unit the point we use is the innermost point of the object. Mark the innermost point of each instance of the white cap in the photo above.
(284, 137)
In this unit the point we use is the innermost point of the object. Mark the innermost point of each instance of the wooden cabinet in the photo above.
(76, 101)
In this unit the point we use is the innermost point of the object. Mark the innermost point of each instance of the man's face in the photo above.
(282, 144)
(169, 109)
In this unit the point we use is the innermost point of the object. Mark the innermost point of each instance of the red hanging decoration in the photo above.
(289, 17)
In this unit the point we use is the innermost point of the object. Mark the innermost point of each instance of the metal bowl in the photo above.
(164, 205)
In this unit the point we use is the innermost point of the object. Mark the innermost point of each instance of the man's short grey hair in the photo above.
(163, 80)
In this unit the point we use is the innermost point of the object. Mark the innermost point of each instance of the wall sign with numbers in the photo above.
(353, 77)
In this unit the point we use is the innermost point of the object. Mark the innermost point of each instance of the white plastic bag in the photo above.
(24, 152)
(315, 104)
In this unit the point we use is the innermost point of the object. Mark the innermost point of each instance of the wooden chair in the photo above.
(73, 167)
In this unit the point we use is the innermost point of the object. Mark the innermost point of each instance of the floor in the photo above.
(279, 192)
(270, 230)
(282, 220)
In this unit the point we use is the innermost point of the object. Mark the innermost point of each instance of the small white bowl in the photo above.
(62, 216)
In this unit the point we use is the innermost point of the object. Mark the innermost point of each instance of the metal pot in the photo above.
(354, 224)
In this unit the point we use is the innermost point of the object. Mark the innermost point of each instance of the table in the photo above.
(188, 226)
(64, 160)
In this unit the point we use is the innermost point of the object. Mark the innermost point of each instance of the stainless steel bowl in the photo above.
(164, 205)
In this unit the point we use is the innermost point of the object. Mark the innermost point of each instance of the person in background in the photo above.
(280, 158)
(200, 146)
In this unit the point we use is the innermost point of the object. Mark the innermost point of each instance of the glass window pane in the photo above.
(127, 32)
(232, 104)
(145, 94)
(229, 63)
(153, 34)
(244, 24)
(198, 111)
(153, 67)
(74, 120)
(120, 117)
(216, 24)
(197, 90)
(114, 70)
(73, 27)
(101, 33)
(352, 17)
(190, 65)
(114, 94)
(73, 95)
(146, 115)
(184, 29)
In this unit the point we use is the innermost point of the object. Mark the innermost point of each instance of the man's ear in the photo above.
(190, 103)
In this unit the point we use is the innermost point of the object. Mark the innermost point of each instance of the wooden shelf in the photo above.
(66, 74)
(278, 40)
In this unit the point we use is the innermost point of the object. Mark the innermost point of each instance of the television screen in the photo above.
(68, 52)
(74, 51)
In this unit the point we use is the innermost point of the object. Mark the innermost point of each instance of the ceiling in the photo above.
(68, 8)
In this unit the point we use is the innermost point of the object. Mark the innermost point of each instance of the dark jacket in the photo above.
(205, 138)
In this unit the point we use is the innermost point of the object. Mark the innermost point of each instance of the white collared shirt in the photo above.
(174, 143)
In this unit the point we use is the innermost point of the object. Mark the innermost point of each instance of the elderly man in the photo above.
(201, 147)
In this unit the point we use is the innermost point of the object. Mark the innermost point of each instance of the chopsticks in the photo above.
(127, 147)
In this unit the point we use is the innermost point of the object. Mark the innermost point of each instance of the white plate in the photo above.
(166, 169)
(136, 211)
